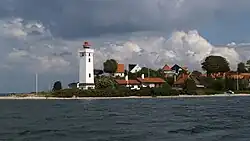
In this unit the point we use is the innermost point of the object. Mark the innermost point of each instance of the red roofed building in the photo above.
(166, 68)
(151, 81)
(181, 80)
(129, 82)
(120, 71)
(132, 84)
(168, 72)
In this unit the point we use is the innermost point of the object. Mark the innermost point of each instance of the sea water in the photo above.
(179, 119)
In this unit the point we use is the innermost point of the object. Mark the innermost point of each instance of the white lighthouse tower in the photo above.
(86, 67)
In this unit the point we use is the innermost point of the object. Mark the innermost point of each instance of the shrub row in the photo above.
(121, 92)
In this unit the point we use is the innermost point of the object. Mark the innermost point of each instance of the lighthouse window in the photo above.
(89, 54)
(82, 54)
(89, 75)
(89, 59)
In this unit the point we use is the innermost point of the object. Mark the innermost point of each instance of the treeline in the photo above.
(221, 84)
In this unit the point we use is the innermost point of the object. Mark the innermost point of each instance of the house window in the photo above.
(89, 75)
(89, 59)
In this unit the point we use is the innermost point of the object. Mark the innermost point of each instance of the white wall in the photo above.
(136, 69)
(151, 85)
(119, 74)
(133, 87)
(86, 66)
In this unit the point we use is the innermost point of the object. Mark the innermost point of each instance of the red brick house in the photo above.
(150, 82)
(132, 84)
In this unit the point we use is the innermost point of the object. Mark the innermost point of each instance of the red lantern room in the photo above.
(86, 45)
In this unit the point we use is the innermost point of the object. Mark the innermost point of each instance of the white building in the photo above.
(86, 67)
(134, 68)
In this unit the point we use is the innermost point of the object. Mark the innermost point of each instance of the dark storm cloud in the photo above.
(78, 18)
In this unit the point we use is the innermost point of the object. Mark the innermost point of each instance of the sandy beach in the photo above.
(130, 97)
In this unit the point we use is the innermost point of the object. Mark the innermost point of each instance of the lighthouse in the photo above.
(86, 67)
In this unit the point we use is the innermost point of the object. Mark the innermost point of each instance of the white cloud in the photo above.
(184, 48)
(46, 55)
(34, 50)
(17, 28)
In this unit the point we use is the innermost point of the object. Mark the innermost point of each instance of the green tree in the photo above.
(243, 84)
(230, 84)
(190, 86)
(218, 84)
(166, 86)
(57, 86)
(241, 68)
(150, 72)
(133, 75)
(215, 64)
(98, 72)
(170, 80)
(196, 73)
(110, 66)
(104, 82)
(248, 62)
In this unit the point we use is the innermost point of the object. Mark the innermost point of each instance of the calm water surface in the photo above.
(184, 119)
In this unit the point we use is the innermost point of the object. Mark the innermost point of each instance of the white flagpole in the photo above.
(36, 83)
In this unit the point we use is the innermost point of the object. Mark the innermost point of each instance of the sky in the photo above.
(43, 36)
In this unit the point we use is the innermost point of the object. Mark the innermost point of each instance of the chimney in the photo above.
(126, 77)
(142, 76)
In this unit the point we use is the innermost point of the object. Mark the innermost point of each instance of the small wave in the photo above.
(16, 117)
(197, 129)
(28, 132)
(123, 123)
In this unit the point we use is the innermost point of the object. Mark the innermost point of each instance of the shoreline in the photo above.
(128, 97)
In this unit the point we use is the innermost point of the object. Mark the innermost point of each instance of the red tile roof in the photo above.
(181, 79)
(124, 82)
(151, 80)
(166, 68)
(120, 68)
